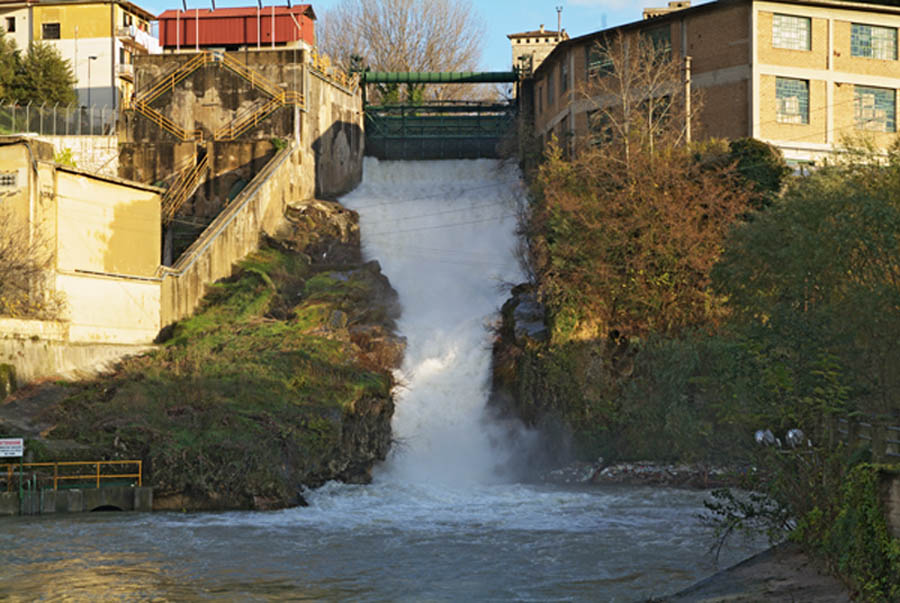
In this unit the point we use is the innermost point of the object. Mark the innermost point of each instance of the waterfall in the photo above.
(445, 235)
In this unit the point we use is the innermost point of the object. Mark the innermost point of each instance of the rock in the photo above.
(327, 232)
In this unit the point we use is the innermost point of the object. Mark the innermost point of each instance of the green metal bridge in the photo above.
(437, 130)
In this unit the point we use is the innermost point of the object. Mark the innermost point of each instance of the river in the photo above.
(452, 514)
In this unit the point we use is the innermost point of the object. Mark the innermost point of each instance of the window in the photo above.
(550, 90)
(791, 32)
(126, 19)
(791, 100)
(661, 39)
(599, 126)
(598, 61)
(563, 76)
(8, 179)
(50, 31)
(873, 42)
(10, 24)
(874, 109)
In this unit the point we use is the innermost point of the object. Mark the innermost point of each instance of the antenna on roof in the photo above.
(213, 4)
(260, 4)
(289, 3)
(184, 4)
(559, 10)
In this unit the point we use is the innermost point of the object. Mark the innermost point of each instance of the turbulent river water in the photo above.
(448, 516)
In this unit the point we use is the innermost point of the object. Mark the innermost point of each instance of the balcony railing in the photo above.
(125, 70)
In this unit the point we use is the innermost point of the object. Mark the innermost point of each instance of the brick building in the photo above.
(800, 74)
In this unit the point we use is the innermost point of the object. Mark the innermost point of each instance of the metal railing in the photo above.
(182, 189)
(56, 120)
(31, 476)
(882, 438)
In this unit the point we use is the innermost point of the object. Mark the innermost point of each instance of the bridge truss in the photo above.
(438, 130)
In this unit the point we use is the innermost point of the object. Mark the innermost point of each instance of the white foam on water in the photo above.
(445, 235)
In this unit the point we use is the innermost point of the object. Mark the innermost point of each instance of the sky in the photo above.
(501, 17)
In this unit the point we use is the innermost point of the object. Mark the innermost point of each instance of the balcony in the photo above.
(131, 35)
(125, 71)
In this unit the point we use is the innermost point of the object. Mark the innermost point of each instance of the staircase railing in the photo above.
(241, 123)
(168, 81)
(182, 189)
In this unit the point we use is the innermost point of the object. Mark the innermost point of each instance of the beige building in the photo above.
(530, 48)
(103, 235)
(800, 74)
(98, 37)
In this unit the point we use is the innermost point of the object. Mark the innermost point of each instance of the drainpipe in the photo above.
(112, 56)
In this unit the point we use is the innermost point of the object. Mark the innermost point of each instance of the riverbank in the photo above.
(782, 573)
(280, 381)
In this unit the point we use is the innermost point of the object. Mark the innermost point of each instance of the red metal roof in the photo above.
(241, 11)
(244, 26)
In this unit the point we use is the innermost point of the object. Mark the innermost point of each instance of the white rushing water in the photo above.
(445, 235)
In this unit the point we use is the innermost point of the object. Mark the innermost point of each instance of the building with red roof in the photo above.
(237, 28)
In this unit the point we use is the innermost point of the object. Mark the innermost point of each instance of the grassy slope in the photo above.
(247, 397)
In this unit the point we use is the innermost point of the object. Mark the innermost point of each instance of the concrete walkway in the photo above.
(782, 573)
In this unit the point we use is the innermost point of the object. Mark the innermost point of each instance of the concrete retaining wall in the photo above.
(98, 154)
(45, 502)
(40, 349)
(235, 232)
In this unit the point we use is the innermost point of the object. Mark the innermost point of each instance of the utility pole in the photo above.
(687, 99)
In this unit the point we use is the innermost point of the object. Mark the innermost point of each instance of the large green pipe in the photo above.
(437, 77)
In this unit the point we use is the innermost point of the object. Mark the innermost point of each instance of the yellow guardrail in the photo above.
(323, 65)
(240, 124)
(169, 80)
(61, 470)
(164, 122)
(182, 189)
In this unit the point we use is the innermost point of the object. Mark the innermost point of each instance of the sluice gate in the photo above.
(452, 129)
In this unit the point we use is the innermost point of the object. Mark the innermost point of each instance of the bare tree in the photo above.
(404, 35)
(638, 94)
(25, 263)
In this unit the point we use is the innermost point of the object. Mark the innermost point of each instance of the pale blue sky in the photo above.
(501, 17)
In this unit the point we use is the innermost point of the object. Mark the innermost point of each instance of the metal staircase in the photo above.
(238, 126)
(184, 186)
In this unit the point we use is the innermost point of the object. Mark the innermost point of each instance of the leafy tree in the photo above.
(814, 282)
(762, 165)
(10, 64)
(45, 77)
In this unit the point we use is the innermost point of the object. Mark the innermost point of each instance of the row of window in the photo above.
(867, 41)
(874, 109)
(599, 63)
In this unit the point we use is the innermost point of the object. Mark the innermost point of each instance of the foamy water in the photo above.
(445, 234)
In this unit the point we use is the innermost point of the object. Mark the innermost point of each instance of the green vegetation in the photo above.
(248, 398)
(697, 294)
(40, 76)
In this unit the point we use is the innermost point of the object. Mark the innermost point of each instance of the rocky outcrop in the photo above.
(281, 381)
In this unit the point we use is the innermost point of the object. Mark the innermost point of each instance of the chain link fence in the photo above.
(57, 120)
